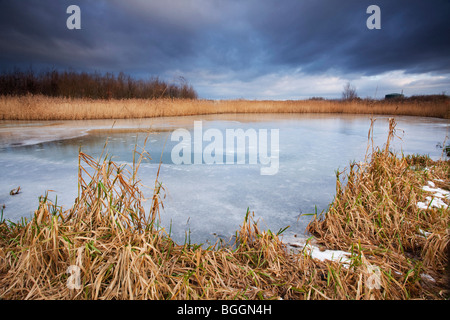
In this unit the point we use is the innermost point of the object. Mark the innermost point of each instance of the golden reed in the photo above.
(38, 107)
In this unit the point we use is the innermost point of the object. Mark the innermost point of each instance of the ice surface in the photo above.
(202, 200)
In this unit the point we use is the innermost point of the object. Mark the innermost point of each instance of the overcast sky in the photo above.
(251, 49)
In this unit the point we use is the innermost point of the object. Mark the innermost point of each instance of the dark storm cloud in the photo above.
(114, 36)
(220, 40)
(322, 35)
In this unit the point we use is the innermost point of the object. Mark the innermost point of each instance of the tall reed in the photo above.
(38, 107)
(376, 215)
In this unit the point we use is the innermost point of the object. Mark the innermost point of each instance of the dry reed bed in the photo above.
(122, 253)
(46, 108)
(376, 215)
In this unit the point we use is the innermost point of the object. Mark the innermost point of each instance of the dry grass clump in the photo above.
(376, 215)
(38, 107)
(119, 251)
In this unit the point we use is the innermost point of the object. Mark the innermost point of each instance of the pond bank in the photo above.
(118, 250)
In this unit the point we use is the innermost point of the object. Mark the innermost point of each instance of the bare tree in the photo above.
(91, 85)
(349, 92)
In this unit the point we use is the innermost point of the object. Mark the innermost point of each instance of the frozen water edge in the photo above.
(201, 200)
(27, 133)
(27, 136)
(303, 245)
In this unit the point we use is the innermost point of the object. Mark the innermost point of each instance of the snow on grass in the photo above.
(331, 255)
(303, 245)
(437, 200)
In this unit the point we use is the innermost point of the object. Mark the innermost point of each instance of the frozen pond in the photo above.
(206, 199)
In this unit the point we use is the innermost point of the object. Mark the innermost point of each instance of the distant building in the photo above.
(394, 96)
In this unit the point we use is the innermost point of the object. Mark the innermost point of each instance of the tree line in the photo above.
(71, 84)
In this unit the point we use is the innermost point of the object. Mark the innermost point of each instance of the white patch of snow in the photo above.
(316, 253)
(424, 233)
(332, 255)
(427, 277)
(441, 193)
(437, 199)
